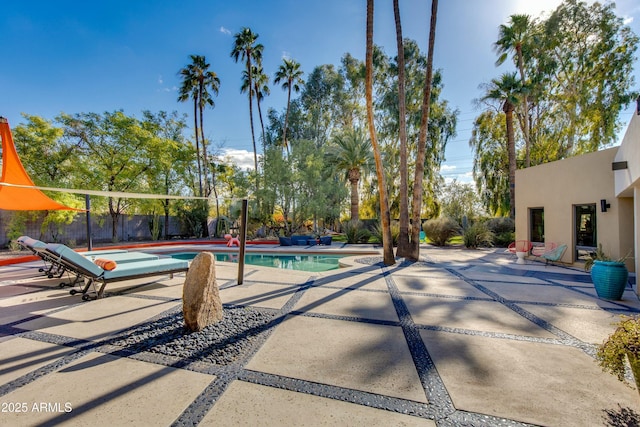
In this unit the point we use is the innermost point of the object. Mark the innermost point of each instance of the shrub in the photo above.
(440, 230)
(504, 230)
(503, 240)
(376, 233)
(355, 232)
(476, 235)
(501, 225)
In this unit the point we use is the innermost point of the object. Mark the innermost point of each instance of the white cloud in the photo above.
(160, 81)
(226, 31)
(242, 158)
(447, 168)
(286, 55)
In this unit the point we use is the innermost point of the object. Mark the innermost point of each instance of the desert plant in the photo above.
(476, 235)
(376, 233)
(623, 343)
(440, 230)
(600, 255)
(355, 232)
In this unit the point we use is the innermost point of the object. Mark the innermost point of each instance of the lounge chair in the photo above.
(37, 247)
(554, 255)
(123, 257)
(538, 250)
(93, 274)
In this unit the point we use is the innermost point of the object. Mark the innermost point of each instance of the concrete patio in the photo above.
(464, 337)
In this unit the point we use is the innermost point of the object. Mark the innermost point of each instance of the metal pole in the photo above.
(87, 202)
(243, 240)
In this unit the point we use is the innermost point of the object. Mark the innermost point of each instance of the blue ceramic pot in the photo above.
(609, 279)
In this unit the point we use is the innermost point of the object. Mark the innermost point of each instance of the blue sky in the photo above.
(97, 56)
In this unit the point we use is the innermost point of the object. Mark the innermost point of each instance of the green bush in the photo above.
(503, 240)
(477, 235)
(440, 230)
(355, 232)
(376, 233)
(504, 230)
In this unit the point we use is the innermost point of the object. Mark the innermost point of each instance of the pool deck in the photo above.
(464, 337)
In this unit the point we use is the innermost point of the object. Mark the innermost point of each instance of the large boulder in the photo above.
(201, 304)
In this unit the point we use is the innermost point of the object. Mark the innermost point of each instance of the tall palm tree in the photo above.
(403, 238)
(512, 38)
(508, 91)
(422, 140)
(351, 152)
(189, 90)
(385, 216)
(290, 74)
(247, 49)
(207, 81)
(261, 89)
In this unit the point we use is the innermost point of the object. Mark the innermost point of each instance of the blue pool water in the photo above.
(302, 262)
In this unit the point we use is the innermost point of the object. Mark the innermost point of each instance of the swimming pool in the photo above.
(302, 262)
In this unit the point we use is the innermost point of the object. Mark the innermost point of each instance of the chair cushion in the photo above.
(106, 264)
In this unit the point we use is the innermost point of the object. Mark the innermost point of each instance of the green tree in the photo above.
(514, 38)
(491, 162)
(189, 89)
(385, 218)
(247, 49)
(290, 74)
(117, 153)
(48, 157)
(508, 92)
(171, 156)
(403, 238)
(588, 59)
(350, 152)
(422, 139)
(261, 89)
(459, 200)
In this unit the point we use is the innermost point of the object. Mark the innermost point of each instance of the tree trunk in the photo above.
(403, 240)
(354, 178)
(205, 226)
(422, 141)
(511, 150)
(165, 205)
(195, 124)
(525, 106)
(286, 122)
(387, 240)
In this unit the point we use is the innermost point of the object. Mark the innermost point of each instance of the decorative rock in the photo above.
(201, 304)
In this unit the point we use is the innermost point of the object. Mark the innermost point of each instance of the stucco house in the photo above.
(584, 201)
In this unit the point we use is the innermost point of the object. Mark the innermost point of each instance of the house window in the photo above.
(536, 222)
(585, 230)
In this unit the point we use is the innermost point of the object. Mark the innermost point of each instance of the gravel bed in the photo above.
(221, 344)
(400, 262)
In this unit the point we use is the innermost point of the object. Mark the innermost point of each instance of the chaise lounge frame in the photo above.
(95, 276)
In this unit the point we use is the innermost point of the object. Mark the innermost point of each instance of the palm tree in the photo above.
(261, 90)
(351, 152)
(189, 89)
(385, 216)
(207, 80)
(290, 75)
(512, 38)
(246, 49)
(422, 140)
(196, 83)
(508, 91)
(403, 238)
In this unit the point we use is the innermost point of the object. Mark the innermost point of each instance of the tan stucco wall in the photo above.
(559, 186)
(627, 179)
